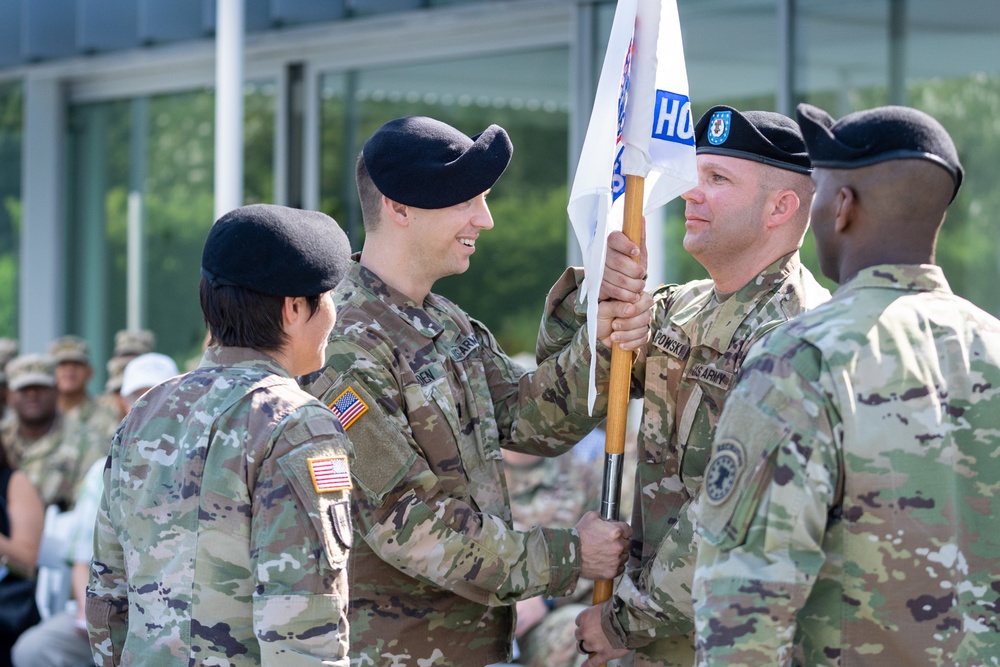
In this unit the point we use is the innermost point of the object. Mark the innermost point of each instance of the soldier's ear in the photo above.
(846, 204)
(395, 212)
(785, 204)
(294, 310)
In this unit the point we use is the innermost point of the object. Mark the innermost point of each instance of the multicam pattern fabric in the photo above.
(57, 462)
(860, 528)
(212, 546)
(98, 417)
(437, 564)
(554, 492)
(697, 348)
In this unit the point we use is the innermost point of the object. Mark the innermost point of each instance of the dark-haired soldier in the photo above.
(224, 529)
(745, 223)
(858, 522)
(428, 398)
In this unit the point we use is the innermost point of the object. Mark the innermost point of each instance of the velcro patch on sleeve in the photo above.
(330, 473)
(348, 407)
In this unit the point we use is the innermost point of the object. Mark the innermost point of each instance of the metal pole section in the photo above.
(136, 244)
(583, 86)
(897, 52)
(228, 106)
(41, 292)
(785, 99)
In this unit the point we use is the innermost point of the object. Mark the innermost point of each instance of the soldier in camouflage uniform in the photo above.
(129, 344)
(428, 398)
(848, 509)
(73, 372)
(8, 350)
(745, 222)
(53, 451)
(224, 530)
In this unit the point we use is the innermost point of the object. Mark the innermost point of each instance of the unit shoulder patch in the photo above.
(728, 462)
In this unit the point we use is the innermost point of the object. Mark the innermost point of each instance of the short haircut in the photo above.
(371, 198)
(241, 317)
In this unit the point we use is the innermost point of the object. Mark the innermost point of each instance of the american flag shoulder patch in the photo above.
(348, 407)
(330, 473)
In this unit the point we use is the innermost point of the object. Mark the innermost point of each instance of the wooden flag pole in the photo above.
(618, 391)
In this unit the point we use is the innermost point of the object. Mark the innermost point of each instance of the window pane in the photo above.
(158, 151)
(11, 102)
(178, 214)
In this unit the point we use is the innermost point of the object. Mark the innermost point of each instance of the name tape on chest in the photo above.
(425, 377)
(672, 346)
(330, 473)
(348, 407)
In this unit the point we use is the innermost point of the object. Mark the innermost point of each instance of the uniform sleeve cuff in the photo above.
(564, 561)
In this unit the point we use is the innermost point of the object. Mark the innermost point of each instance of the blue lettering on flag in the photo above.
(672, 120)
(617, 180)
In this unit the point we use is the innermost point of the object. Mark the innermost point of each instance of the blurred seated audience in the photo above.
(61, 640)
(21, 518)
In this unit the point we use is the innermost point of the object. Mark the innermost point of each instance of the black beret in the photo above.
(866, 137)
(762, 136)
(422, 162)
(276, 250)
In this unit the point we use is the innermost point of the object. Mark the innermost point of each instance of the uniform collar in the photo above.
(904, 277)
(417, 316)
(774, 274)
(241, 357)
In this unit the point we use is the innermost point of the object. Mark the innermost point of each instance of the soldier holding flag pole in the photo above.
(746, 213)
(437, 565)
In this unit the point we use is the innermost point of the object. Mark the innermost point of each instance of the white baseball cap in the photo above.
(147, 370)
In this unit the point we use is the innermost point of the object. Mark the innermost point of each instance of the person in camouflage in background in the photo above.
(745, 223)
(55, 452)
(8, 350)
(428, 398)
(129, 344)
(224, 528)
(553, 492)
(73, 372)
(848, 515)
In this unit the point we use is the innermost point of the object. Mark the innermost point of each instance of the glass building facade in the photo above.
(107, 132)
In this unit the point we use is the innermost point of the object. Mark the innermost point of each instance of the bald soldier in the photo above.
(848, 514)
(224, 529)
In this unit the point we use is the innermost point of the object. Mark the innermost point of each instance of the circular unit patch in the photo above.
(723, 471)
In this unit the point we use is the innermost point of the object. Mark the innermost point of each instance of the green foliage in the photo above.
(177, 199)
(8, 302)
(11, 105)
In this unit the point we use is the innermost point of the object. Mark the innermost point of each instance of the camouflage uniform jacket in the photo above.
(848, 513)
(57, 462)
(554, 492)
(99, 417)
(224, 528)
(429, 398)
(697, 347)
